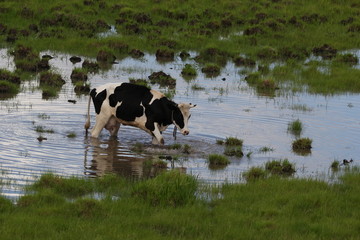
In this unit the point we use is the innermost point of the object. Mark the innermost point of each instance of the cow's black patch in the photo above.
(98, 99)
(131, 97)
(162, 111)
(178, 118)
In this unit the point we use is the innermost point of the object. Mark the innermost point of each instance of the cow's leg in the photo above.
(157, 137)
(112, 126)
(101, 121)
(115, 129)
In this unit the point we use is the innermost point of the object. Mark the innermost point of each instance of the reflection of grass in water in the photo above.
(301, 107)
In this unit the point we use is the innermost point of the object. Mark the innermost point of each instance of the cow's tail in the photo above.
(87, 123)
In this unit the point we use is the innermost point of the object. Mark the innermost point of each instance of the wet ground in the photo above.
(226, 106)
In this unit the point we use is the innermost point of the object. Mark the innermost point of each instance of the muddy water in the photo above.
(227, 106)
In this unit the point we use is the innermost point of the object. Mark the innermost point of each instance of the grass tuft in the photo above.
(171, 188)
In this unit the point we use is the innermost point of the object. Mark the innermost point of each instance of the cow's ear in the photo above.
(172, 105)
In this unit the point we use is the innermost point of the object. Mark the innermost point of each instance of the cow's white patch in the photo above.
(156, 95)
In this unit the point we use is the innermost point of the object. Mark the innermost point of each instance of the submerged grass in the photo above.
(173, 205)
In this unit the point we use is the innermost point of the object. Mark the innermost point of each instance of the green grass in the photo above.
(174, 206)
(7, 87)
(233, 141)
(302, 144)
(295, 127)
(263, 31)
(42, 129)
(234, 151)
(71, 135)
(218, 160)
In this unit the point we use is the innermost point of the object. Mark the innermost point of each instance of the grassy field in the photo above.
(245, 32)
(176, 206)
(232, 26)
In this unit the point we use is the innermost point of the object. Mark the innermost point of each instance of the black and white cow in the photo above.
(138, 106)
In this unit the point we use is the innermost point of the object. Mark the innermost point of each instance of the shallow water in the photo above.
(226, 107)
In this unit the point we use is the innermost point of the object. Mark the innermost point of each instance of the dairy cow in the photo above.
(138, 106)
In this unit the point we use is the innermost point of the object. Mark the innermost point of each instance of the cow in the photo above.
(138, 106)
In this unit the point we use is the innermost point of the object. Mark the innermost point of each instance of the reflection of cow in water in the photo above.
(138, 106)
(110, 157)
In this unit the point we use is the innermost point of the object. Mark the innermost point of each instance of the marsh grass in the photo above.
(171, 188)
(42, 129)
(233, 141)
(266, 149)
(280, 167)
(234, 151)
(295, 127)
(302, 144)
(263, 32)
(335, 165)
(7, 87)
(175, 205)
(218, 160)
(71, 135)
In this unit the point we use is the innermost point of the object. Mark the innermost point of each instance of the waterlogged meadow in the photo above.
(174, 205)
(275, 130)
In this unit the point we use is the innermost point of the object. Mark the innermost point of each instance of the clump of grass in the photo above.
(141, 82)
(218, 160)
(51, 79)
(268, 53)
(8, 87)
(158, 163)
(233, 141)
(234, 151)
(42, 129)
(197, 87)
(171, 188)
(71, 135)
(90, 66)
(220, 141)
(188, 70)
(175, 146)
(302, 144)
(295, 127)
(186, 149)
(105, 56)
(272, 168)
(82, 87)
(335, 165)
(67, 186)
(49, 92)
(9, 76)
(79, 74)
(266, 149)
(280, 167)
(211, 70)
(254, 173)
(163, 79)
(43, 116)
(348, 59)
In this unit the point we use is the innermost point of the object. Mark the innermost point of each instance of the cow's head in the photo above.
(181, 115)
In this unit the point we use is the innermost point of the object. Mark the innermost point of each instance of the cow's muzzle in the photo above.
(185, 132)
